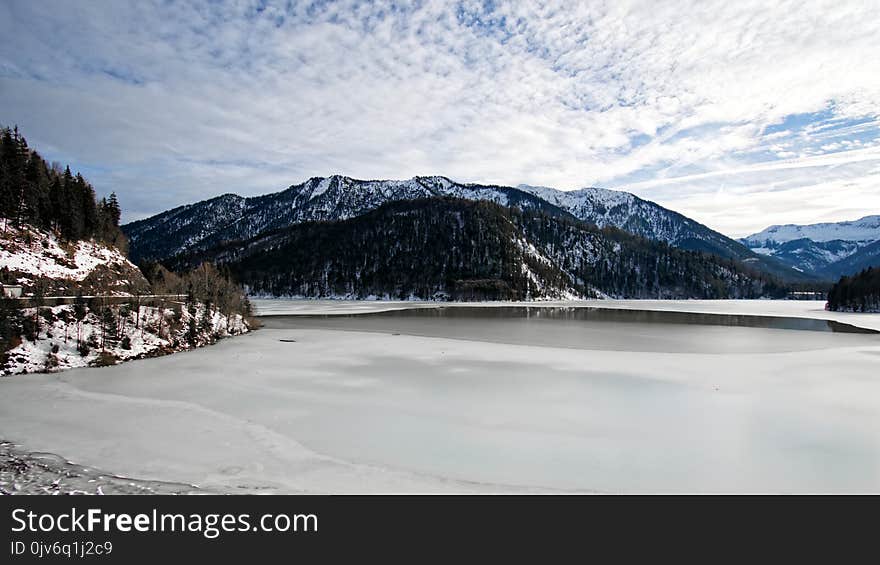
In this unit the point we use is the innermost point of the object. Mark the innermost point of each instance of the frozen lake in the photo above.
(497, 399)
(591, 328)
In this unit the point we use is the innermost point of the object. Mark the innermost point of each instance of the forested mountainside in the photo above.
(84, 303)
(858, 293)
(458, 249)
(229, 217)
(865, 257)
(827, 250)
(212, 222)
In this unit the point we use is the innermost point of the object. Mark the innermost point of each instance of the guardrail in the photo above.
(143, 299)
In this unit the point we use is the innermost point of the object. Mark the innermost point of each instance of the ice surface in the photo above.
(334, 410)
(787, 308)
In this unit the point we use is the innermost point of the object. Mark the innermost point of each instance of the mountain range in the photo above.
(824, 250)
(453, 248)
(228, 218)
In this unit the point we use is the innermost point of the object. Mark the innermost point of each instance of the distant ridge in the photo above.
(827, 250)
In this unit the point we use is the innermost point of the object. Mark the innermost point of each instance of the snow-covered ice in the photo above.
(327, 410)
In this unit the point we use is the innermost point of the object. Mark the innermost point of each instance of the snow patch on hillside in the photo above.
(321, 187)
(33, 253)
(544, 291)
(573, 199)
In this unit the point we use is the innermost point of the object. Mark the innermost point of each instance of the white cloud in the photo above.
(171, 103)
(743, 200)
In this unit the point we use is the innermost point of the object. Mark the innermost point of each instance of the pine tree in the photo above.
(19, 151)
(57, 204)
(89, 209)
(114, 210)
(11, 176)
(36, 195)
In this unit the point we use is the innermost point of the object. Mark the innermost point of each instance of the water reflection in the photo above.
(597, 329)
(624, 316)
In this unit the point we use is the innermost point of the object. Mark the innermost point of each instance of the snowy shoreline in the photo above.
(63, 340)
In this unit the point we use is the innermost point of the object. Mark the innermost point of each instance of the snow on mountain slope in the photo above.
(229, 218)
(828, 249)
(456, 249)
(865, 229)
(29, 255)
(592, 198)
(866, 256)
(184, 226)
(614, 208)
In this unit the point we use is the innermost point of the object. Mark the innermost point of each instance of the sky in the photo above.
(738, 114)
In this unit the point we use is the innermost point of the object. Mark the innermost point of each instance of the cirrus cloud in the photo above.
(721, 110)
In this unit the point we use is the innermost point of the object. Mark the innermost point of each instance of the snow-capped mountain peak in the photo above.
(830, 249)
(865, 229)
(592, 198)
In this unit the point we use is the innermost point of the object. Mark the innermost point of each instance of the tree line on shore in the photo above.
(858, 293)
(212, 307)
(91, 331)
